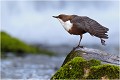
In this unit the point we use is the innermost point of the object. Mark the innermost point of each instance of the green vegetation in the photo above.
(109, 71)
(79, 68)
(72, 70)
(93, 62)
(11, 44)
(71, 55)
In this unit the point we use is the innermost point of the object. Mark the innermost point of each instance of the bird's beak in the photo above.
(55, 16)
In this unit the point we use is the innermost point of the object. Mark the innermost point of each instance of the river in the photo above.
(30, 67)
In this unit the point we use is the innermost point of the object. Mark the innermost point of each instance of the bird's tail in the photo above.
(101, 33)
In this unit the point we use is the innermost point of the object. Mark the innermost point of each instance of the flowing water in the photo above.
(30, 67)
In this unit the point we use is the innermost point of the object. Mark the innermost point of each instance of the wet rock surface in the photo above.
(89, 53)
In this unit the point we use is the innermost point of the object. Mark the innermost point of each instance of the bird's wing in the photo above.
(91, 26)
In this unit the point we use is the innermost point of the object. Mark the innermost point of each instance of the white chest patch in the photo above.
(67, 25)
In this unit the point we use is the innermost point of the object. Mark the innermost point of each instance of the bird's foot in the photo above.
(103, 42)
(78, 47)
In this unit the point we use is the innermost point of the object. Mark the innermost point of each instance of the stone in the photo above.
(85, 63)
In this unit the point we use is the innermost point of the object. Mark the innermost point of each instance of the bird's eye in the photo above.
(60, 16)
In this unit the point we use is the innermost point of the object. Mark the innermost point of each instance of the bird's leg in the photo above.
(79, 43)
(102, 41)
(80, 40)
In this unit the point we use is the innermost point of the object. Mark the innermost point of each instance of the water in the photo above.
(30, 67)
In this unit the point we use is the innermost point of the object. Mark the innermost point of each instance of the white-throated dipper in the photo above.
(78, 25)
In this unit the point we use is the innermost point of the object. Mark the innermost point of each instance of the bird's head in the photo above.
(63, 17)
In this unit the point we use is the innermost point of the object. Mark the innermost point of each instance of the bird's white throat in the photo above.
(67, 25)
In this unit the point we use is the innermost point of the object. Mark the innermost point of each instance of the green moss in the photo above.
(111, 71)
(71, 55)
(93, 62)
(71, 70)
(11, 44)
(79, 68)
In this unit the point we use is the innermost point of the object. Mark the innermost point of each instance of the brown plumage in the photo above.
(84, 24)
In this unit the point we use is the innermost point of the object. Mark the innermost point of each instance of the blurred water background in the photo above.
(32, 22)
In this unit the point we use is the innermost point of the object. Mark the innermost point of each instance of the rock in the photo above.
(79, 68)
(89, 53)
(104, 71)
(86, 63)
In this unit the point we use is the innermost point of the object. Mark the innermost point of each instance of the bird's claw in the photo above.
(78, 47)
(103, 42)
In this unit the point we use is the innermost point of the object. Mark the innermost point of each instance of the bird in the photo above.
(79, 25)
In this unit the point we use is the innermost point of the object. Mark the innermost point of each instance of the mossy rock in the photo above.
(11, 44)
(79, 68)
(71, 70)
(93, 62)
(106, 71)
